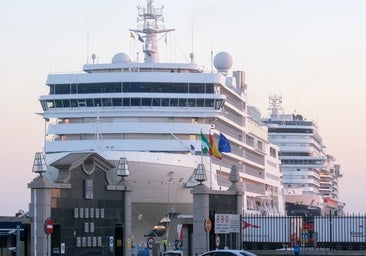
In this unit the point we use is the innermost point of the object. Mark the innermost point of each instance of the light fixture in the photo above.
(234, 175)
(122, 168)
(200, 173)
(39, 164)
(165, 219)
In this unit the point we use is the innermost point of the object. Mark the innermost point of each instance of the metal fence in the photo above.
(281, 232)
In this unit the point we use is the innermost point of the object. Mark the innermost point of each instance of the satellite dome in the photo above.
(121, 58)
(223, 61)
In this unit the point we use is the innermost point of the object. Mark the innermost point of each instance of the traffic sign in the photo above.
(217, 241)
(150, 242)
(208, 225)
(48, 226)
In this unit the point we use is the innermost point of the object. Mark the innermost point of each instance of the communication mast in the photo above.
(275, 104)
(150, 21)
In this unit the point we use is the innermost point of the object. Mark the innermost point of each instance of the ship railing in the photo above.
(236, 103)
(153, 11)
(66, 73)
(141, 27)
(237, 119)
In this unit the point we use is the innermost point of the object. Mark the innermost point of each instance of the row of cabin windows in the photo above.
(132, 102)
(89, 88)
(290, 130)
(297, 123)
(301, 162)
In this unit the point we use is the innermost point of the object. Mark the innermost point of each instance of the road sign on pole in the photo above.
(48, 226)
(208, 225)
(150, 242)
(217, 241)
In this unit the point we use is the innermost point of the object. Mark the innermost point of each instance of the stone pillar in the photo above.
(40, 210)
(125, 189)
(237, 187)
(128, 219)
(200, 214)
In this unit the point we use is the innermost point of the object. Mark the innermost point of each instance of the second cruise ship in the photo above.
(310, 175)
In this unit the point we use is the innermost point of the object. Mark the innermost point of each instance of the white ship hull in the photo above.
(161, 185)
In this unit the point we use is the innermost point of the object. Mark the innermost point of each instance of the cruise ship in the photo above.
(310, 175)
(153, 113)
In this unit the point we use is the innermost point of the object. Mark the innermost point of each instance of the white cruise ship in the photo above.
(153, 113)
(310, 175)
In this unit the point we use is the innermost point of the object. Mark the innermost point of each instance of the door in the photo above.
(118, 239)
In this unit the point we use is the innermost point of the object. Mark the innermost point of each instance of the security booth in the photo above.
(82, 207)
(14, 235)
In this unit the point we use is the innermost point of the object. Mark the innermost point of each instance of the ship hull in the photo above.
(161, 185)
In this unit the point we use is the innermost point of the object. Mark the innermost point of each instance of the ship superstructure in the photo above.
(153, 113)
(310, 176)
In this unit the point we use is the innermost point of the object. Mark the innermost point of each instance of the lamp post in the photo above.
(40, 167)
(200, 175)
(201, 200)
(122, 168)
(122, 171)
(39, 164)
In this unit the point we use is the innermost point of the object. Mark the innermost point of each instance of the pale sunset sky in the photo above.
(312, 52)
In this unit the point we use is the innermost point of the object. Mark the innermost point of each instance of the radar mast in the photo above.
(275, 104)
(150, 23)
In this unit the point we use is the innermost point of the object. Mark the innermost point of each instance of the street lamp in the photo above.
(123, 171)
(122, 168)
(200, 175)
(39, 164)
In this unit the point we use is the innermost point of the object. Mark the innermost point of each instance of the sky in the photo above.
(311, 52)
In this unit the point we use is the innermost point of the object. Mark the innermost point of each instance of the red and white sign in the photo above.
(208, 225)
(48, 226)
(180, 231)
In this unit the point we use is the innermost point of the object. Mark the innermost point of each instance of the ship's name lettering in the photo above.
(356, 233)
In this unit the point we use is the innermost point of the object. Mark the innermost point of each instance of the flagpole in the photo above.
(201, 149)
(210, 173)
(134, 47)
(219, 177)
(209, 133)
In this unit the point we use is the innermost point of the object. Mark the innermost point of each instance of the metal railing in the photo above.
(332, 232)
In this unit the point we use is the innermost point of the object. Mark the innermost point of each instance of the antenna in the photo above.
(87, 41)
(93, 57)
(150, 21)
(191, 56)
(275, 104)
(211, 61)
(192, 36)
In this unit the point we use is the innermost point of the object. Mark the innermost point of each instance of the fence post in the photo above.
(315, 237)
(330, 230)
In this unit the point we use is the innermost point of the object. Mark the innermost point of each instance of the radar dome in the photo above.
(223, 61)
(121, 58)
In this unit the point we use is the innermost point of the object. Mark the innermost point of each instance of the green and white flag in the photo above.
(205, 144)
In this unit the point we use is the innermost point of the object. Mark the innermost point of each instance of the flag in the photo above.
(205, 144)
(214, 151)
(140, 38)
(132, 35)
(224, 145)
